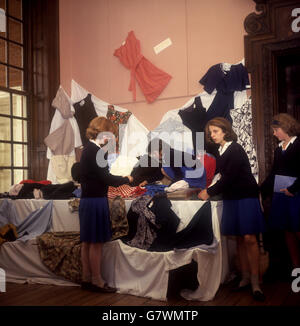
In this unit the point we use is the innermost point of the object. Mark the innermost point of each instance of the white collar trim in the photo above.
(94, 141)
(223, 148)
(290, 142)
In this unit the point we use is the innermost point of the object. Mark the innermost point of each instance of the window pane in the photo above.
(4, 103)
(5, 177)
(20, 175)
(15, 55)
(20, 130)
(5, 128)
(3, 16)
(15, 78)
(15, 30)
(15, 8)
(20, 155)
(3, 76)
(19, 106)
(3, 51)
(5, 154)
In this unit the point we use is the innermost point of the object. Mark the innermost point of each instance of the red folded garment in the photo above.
(43, 182)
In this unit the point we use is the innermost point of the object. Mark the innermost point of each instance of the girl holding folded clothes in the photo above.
(95, 225)
(242, 215)
(283, 183)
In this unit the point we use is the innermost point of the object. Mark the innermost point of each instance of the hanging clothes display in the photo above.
(84, 113)
(151, 79)
(196, 116)
(242, 126)
(61, 140)
(117, 118)
(226, 78)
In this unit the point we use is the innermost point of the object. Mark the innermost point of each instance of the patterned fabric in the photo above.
(146, 226)
(74, 204)
(125, 191)
(60, 252)
(117, 117)
(118, 218)
(242, 126)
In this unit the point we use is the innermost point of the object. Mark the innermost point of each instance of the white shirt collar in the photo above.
(94, 141)
(223, 148)
(290, 142)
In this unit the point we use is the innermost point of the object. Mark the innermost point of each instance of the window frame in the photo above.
(8, 88)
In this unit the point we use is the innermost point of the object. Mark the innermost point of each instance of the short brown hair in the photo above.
(287, 123)
(100, 124)
(225, 125)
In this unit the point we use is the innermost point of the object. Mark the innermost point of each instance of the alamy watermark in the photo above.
(160, 148)
(296, 281)
(296, 22)
(2, 280)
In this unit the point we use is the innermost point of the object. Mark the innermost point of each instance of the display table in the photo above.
(131, 270)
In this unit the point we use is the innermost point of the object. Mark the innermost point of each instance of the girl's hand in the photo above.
(143, 184)
(203, 195)
(286, 192)
(130, 178)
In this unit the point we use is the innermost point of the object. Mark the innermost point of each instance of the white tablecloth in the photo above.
(131, 270)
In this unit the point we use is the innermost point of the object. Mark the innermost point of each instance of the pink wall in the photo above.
(203, 33)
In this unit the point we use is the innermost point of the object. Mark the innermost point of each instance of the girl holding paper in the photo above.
(284, 182)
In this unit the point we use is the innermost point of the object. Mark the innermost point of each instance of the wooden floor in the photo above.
(277, 294)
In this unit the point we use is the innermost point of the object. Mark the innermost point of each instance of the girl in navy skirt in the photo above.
(284, 183)
(95, 225)
(242, 215)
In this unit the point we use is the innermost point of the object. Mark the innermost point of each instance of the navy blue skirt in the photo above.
(242, 216)
(285, 212)
(95, 225)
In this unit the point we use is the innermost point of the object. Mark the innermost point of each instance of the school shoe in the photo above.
(103, 289)
(258, 296)
(86, 286)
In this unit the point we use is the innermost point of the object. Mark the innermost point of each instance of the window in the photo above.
(13, 97)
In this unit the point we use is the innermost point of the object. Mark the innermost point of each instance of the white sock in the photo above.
(255, 283)
(245, 279)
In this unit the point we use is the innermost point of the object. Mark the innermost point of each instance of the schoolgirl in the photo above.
(95, 226)
(284, 183)
(242, 215)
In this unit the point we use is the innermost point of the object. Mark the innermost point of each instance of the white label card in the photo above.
(162, 45)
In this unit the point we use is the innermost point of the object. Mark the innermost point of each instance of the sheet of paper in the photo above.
(282, 182)
(162, 45)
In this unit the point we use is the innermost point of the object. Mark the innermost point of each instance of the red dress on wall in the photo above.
(151, 79)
